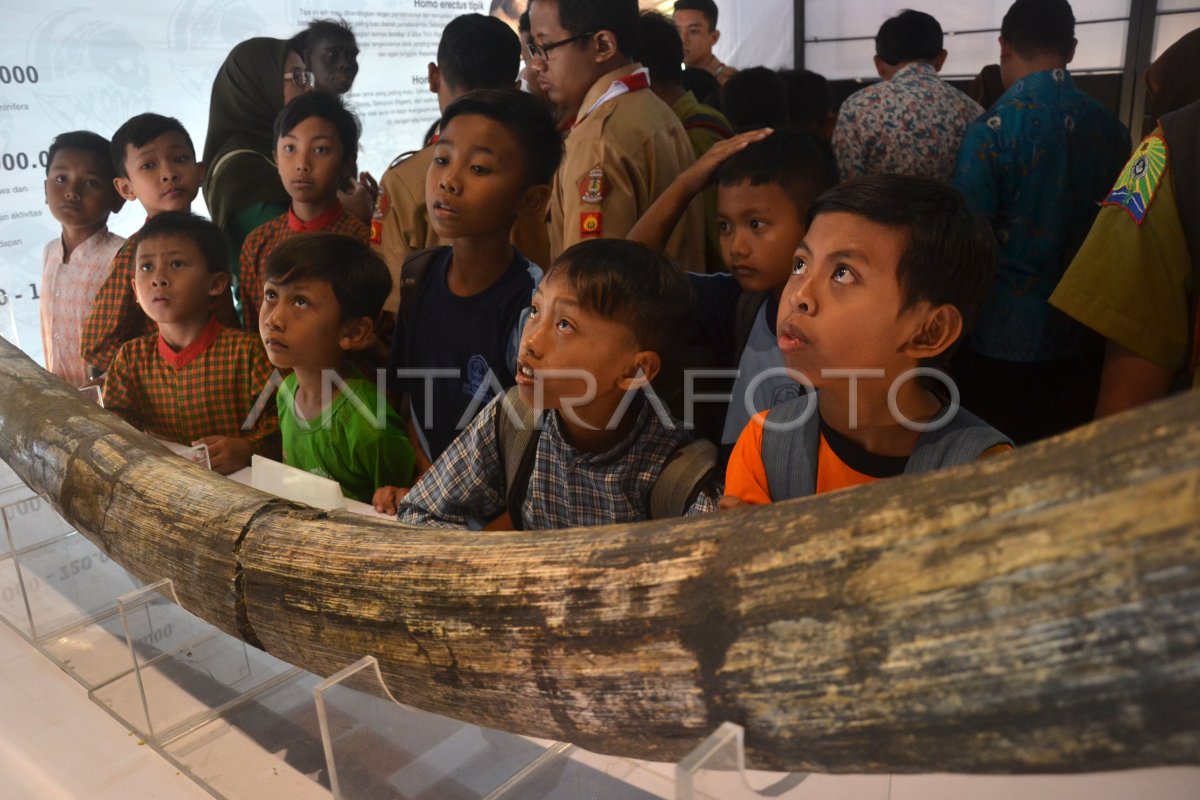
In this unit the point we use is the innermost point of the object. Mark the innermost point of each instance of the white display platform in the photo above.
(108, 690)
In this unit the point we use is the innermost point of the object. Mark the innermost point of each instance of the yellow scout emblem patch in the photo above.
(594, 186)
(1138, 184)
(591, 224)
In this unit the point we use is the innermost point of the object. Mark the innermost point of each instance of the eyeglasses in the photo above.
(542, 51)
(303, 78)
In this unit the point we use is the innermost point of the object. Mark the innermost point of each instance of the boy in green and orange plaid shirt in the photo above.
(316, 144)
(156, 165)
(195, 381)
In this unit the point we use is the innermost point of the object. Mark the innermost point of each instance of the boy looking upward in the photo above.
(891, 271)
(156, 165)
(697, 24)
(195, 381)
(624, 145)
(80, 195)
(322, 296)
(602, 321)
(316, 144)
(492, 166)
(475, 52)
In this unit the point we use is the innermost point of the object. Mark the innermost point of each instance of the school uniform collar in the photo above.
(194, 350)
(317, 223)
(630, 78)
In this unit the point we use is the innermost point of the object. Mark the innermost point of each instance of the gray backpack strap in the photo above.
(682, 478)
(516, 435)
(965, 438)
(790, 448)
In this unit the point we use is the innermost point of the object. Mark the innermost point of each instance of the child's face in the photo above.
(760, 228)
(476, 182)
(301, 326)
(569, 70)
(334, 62)
(172, 281)
(841, 309)
(311, 161)
(79, 189)
(697, 37)
(563, 344)
(163, 174)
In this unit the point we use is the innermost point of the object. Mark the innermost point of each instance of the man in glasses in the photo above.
(624, 145)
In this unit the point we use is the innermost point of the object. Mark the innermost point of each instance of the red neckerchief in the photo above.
(194, 350)
(630, 83)
(317, 223)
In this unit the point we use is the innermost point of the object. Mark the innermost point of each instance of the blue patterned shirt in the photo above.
(1037, 164)
(567, 488)
(911, 124)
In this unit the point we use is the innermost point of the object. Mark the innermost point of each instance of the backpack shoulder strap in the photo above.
(744, 315)
(962, 440)
(517, 434)
(682, 478)
(412, 274)
(790, 445)
(1181, 129)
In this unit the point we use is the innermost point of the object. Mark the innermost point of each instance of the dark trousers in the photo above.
(1029, 400)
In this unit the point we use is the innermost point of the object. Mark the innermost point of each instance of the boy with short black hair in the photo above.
(891, 271)
(462, 304)
(765, 185)
(330, 51)
(316, 145)
(195, 381)
(80, 194)
(322, 296)
(697, 24)
(602, 321)
(475, 52)
(155, 163)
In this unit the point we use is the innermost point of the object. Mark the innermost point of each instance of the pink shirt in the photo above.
(67, 292)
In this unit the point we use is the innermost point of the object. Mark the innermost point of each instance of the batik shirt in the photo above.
(567, 488)
(912, 124)
(67, 292)
(1037, 166)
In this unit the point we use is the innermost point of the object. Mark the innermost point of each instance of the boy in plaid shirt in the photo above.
(322, 295)
(195, 381)
(603, 320)
(316, 144)
(156, 165)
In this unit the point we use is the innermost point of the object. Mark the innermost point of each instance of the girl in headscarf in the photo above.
(242, 187)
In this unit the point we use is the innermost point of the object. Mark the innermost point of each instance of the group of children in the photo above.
(499, 397)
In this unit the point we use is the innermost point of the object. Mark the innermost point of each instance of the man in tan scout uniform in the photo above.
(625, 145)
(476, 52)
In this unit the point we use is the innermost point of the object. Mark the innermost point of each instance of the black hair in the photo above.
(661, 49)
(88, 142)
(139, 130)
(203, 232)
(526, 118)
(810, 99)
(358, 276)
(794, 159)
(950, 255)
(523, 23)
(755, 98)
(704, 85)
(632, 284)
(706, 7)
(478, 52)
(1034, 27)
(578, 17)
(320, 30)
(328, 107)
(909, 36)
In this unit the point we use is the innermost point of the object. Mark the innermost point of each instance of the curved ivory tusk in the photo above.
(1034, 612)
